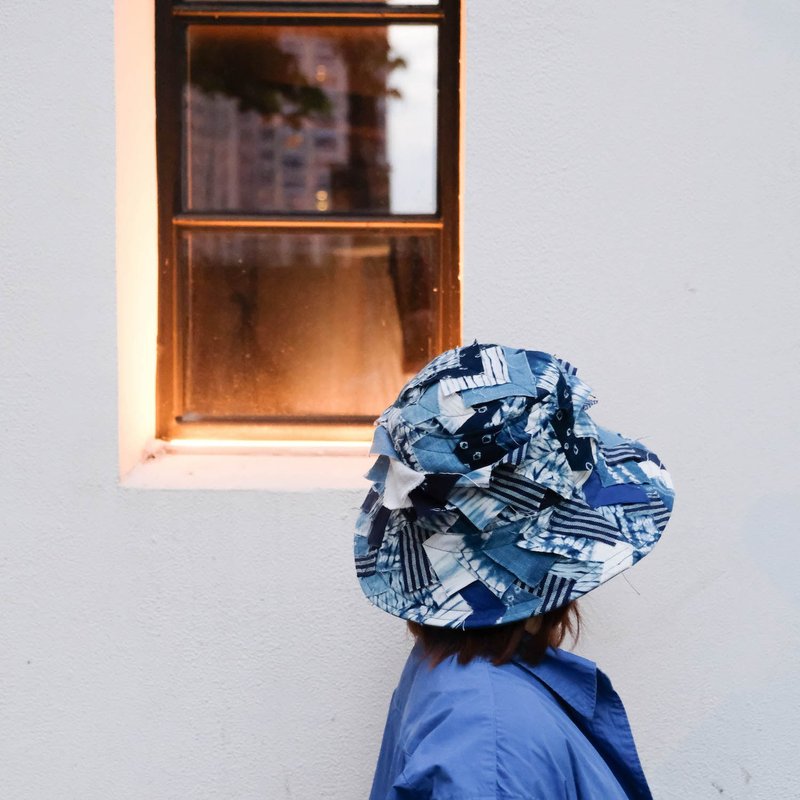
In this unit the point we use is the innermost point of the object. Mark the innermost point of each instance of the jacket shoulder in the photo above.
(479, 731)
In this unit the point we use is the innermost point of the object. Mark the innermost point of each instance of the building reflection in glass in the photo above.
(296, 119)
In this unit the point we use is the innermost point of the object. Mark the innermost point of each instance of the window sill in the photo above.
(264, 466)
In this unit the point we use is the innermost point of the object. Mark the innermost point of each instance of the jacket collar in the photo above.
(571, 678)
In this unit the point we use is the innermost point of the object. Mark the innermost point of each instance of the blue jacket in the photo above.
(556, 731)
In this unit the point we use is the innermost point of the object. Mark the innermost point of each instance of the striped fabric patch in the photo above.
(555, 591)
(626, 452)
(365, 565)
(620, 453)
(575, 519)
(515, 457)
(655, 508)
(495, 372)
(377, 528)
(369, 501)
(661, 514)
(516, 490)
(448, 360)
(567, 367)
(417, 570)
(494, 366)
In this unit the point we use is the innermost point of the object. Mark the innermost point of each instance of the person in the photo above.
(496, 502)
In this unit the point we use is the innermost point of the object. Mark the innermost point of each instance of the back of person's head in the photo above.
(527, 639)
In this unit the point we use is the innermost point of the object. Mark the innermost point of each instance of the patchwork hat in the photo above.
(495, 497)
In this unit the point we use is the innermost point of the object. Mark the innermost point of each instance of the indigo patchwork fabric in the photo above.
(495, 496)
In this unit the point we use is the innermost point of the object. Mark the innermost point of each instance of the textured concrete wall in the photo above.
(631, 202)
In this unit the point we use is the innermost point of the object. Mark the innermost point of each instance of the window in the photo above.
(308, 211)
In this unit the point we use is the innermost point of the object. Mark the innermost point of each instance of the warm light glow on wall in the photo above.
(136, 223)
(220, 445)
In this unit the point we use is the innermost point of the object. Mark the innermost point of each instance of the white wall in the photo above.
(631, 202)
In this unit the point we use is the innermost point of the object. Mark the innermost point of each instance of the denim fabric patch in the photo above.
(598, 495)
(527, 567)
(487, 608)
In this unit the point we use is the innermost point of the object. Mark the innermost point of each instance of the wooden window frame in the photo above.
(172, 21)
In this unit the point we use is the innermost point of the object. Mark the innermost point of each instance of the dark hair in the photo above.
(498, 644)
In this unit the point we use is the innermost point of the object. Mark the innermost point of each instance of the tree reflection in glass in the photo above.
(296, 119)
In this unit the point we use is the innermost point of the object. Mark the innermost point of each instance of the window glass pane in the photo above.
(311, 119)
(304, 324)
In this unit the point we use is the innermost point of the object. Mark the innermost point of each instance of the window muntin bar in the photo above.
(316, 222)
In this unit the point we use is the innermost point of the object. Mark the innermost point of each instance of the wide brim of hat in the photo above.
(526, 564)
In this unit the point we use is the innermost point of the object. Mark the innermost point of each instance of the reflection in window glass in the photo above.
(349, 113)
(412, 120)
(305, 324)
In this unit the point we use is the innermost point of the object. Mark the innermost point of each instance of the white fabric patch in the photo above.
(614, 558)
(495, 372)
(452, 576)
(495, 366)
(478, 477)
(453, 412)
(400, 480)
(454, 611)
